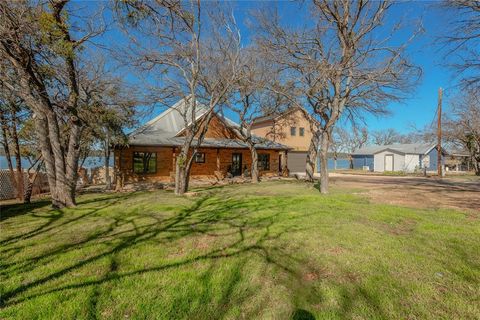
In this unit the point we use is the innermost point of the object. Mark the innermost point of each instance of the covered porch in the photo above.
(157, 163)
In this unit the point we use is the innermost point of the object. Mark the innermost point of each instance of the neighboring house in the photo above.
(458, 160)
(292, 128)
(397, 157)
(151, 151)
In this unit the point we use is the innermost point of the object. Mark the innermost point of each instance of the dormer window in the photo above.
(293, 131)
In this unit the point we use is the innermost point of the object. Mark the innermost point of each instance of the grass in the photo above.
(278, 250)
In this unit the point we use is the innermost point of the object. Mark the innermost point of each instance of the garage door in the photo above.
(297, 162)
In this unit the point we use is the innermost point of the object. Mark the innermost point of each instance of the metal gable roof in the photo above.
(153, 139)
(407, 148)
(171, 120)
(163, 131)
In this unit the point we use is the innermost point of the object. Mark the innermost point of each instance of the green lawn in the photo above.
(278, 250)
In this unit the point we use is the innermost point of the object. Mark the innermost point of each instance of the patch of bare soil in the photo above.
(417, 192)
(310, 276)
(204, 242)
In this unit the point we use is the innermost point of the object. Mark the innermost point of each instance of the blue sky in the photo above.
(420, 106)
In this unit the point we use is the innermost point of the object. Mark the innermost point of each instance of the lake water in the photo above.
(341, 164)
(90, 162)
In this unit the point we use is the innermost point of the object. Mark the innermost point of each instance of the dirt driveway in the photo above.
(416, 192)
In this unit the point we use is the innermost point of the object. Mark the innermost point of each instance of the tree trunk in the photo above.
(312, 157)
(71, 160)
(61, 162)
(62, 186)
(476, 166)
(180, 177)
(18, 158)
(324, 163)
(31, 181)
(254, 169)
(6, 148)
(184, 162)
(108, 182)
(28, 192)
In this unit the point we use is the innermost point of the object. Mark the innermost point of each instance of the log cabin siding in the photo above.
(166, 163)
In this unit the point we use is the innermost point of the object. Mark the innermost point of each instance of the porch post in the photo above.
(174, 169)
(118, 174)
(285, 172)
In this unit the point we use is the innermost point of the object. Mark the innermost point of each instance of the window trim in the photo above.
(293, 131)
(301, 132)
(143, 172)
(262, 168)
(204, 157)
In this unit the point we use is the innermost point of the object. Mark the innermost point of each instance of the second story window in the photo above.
(302, 132)
(293, 131)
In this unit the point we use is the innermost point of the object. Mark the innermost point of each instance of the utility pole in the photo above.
(439, 133)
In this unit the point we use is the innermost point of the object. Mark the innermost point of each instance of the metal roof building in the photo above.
(397, 157)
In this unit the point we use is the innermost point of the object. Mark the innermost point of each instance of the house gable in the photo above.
(217, 129)
(279, 129)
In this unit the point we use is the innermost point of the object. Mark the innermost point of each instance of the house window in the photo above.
(200, 157)
(264, 161)
(144, 162)
(293, 131)
(302, 132)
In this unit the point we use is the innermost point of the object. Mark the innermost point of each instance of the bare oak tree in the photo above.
(386, 136)
(463, 39)
(252, 97)
(41, 58)
(192, 49)
(345, 63)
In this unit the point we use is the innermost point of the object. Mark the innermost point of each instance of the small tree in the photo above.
(462, 128)
(350, 140)
(12, 116)
(111, 108)
(4, 123)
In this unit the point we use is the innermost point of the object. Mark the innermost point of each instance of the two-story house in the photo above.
(152, 150)
(292, 128)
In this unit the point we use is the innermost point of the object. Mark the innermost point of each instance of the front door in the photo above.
(389, 162)
(236, 164)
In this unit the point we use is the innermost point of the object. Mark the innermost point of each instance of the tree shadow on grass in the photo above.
(218, 218)
(18, 209)
(245, 229)
(55, 215)
(301, 314)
